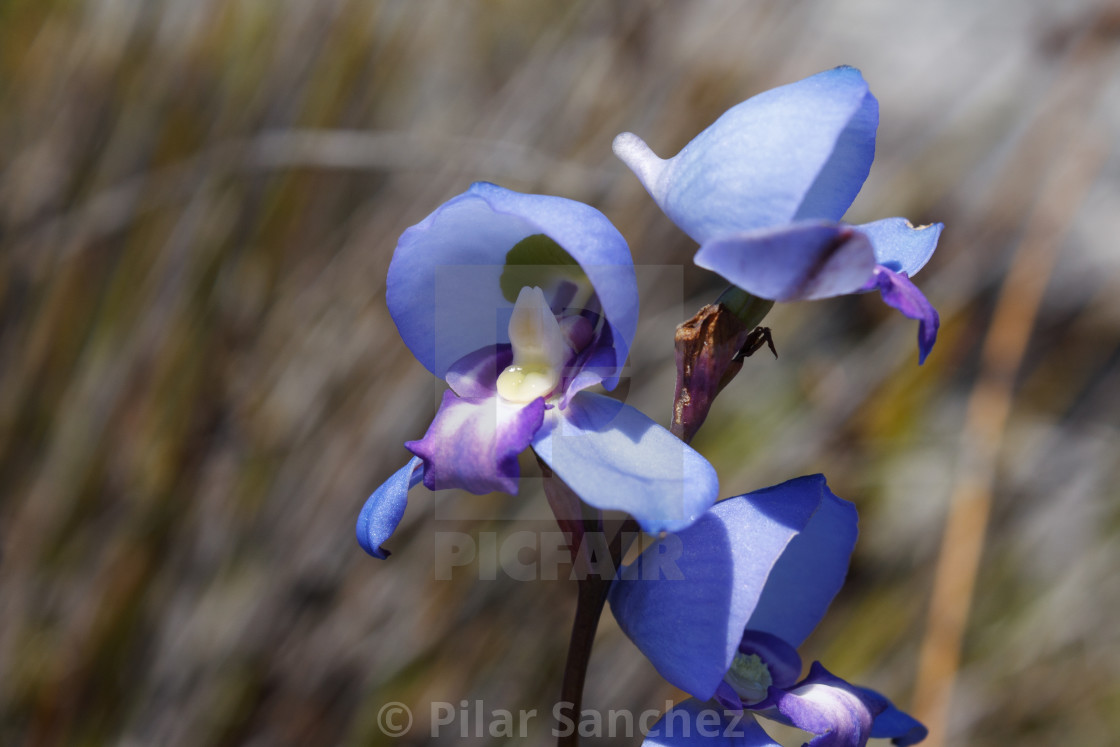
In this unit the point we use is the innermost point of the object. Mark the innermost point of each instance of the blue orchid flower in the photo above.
(763, 190)
(521, 303)
(752, 578)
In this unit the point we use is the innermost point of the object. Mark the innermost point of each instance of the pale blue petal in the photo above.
(843, 176)
(798, 151)
(614, 457)
(899, 246)
(383, 510)
(688, 598)
(813, 566)
(443, 285)
(707, 725)
(796, 262)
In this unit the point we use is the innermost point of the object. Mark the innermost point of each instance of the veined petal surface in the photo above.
(794, 152)
(614, 457)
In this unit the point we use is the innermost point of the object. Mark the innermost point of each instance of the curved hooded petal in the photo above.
(473, 443)
(898, 292)
(823, 704)
(443, 287)
(687, 600)
(797, 262)
(705, 725)
(812, 569)
(383, 510)
(899, 245)
(800, 151)
(614, 457)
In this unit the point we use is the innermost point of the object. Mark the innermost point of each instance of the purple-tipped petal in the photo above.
(898, 726)
(476, 374)
(706, 725)
(812, 569)
(837, 712)
(473, 443)
(795, 152)
(899, 292)
(383, 510)
(443, 286)
(614, 457)
(901, 246)
(792, 263)
(687, 599)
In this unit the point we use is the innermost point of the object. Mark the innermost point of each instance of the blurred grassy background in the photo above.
(200, 383)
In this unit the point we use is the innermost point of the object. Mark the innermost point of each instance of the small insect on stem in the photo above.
(758, 337)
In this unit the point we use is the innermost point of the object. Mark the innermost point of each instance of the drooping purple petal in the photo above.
(599, 249)
(705, 725)
(781, 659)
(795, 152)
(686, 600)
(443, 286)
(812, 569)
(899, 292)
(383, 510)
(899, 245)
(614, 457)
(476, 374)
(473, 443)
(827, 706)
(795, 262)
(898, 726)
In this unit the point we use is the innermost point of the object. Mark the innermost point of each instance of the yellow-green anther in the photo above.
(749, 677)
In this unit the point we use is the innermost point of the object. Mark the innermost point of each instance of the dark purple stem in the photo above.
(710, 349)
(592, 598)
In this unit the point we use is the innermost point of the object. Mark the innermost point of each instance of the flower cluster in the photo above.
(524, 303)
